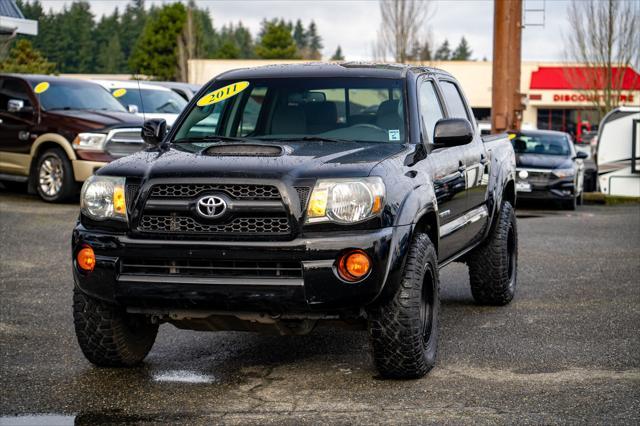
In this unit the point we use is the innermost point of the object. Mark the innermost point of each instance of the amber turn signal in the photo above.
(86, 259)
(354, 265)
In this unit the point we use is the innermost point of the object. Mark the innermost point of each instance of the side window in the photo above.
(13, 89)
(455, 104)
(251, 111)
(430, 108)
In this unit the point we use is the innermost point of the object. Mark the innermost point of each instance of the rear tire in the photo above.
(404, 330)
(108, 336)
(493, 266)
(54, 179)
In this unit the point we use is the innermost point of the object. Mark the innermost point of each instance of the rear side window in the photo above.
(430, 108)
(11, 88)
(455, 104)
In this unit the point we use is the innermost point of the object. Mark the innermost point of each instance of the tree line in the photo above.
(157, 41)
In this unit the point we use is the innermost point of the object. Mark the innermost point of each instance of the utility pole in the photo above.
(506, 99)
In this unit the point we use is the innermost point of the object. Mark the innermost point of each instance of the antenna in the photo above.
(144, 118)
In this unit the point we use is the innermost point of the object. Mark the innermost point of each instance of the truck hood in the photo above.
(541, 161)
(100, 118)
(298, 160)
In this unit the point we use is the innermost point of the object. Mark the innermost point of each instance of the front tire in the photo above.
(109, 336)
(493, 266)
(54, 179)
(404, 330)
(571, 204)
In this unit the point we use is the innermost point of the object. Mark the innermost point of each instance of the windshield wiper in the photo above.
(213, 138)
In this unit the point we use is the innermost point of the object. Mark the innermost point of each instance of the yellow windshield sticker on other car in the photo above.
(512, 135)
(222, 93)
(118, 92)
(41, 87)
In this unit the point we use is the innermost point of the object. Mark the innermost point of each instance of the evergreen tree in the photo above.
(444, 52)
(110, 58)
(132, 22)
(77, 53)
(243, 39)
(425, 52)
(462, 52)
(300, 36)
(228, 50)
(23, 58)
(315, 42)
(276, 41)
(155, 52)
(338, 55)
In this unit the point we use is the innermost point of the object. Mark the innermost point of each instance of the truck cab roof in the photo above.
(323, 69)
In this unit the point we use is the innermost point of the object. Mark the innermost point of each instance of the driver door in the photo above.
(16, 122)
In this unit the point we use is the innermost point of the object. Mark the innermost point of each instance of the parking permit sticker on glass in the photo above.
(222, 93)
(119, 92)
(394, 135)
(41, 87)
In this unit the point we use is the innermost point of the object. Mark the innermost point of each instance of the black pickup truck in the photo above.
(287, 196)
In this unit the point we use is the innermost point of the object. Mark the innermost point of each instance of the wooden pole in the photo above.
(506, 101)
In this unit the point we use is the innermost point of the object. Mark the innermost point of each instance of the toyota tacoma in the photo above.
(287, 196)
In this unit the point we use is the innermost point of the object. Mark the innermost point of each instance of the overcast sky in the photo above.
(353, 24)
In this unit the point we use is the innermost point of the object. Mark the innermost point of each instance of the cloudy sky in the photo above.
(353, 24)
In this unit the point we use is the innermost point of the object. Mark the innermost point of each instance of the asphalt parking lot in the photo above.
(567, 350)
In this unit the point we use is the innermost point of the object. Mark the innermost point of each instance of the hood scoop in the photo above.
(244, 150)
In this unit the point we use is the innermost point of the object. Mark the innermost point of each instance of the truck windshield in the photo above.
(63, 96)
(540, 144)
(311, 109)
(153, 101)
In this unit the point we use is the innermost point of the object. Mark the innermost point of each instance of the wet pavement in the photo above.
(567, 350)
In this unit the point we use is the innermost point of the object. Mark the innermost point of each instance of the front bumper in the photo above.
(319, 289)
(546, 188)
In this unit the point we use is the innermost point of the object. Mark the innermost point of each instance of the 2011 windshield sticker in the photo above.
(222, 93)
(119, 92)
(41, 87)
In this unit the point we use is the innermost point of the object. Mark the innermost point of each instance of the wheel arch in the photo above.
(41, 144)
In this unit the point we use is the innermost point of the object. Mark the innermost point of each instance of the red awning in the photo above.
(581, 78)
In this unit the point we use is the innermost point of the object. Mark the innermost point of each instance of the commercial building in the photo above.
(557, 96)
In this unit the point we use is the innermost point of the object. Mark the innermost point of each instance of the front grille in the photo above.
(240, 225)
(131, 192)
(123, 142)
(241, 192)
(538, 177)
(212, 268)
(303, 195)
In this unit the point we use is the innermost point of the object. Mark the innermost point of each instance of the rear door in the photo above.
(476, 164)
(447, 168)
(17, 118)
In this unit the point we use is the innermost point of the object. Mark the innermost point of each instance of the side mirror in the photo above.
(153, 131)
(582, 155)
(17, 105)
(133, 109)
(452, 132)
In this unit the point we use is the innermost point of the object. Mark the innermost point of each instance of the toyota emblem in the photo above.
(211, 207)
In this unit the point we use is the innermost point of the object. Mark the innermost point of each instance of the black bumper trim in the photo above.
(164, 279)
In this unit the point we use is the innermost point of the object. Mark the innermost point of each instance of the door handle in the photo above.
(483, 159)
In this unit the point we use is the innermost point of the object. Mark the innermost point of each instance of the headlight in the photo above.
(90, 141)
(563, 173)
(346, 200)
(103, 197)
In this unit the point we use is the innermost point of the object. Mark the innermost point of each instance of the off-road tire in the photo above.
(403, 331)
(109, 336)
(493, 266)
(68, 186)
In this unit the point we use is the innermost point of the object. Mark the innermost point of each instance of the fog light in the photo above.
(354, 265)
(86, 259)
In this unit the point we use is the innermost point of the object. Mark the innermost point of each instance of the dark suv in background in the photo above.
(55, 132)
(548, 167)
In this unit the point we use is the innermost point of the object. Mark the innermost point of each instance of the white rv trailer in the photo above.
(618, 152)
